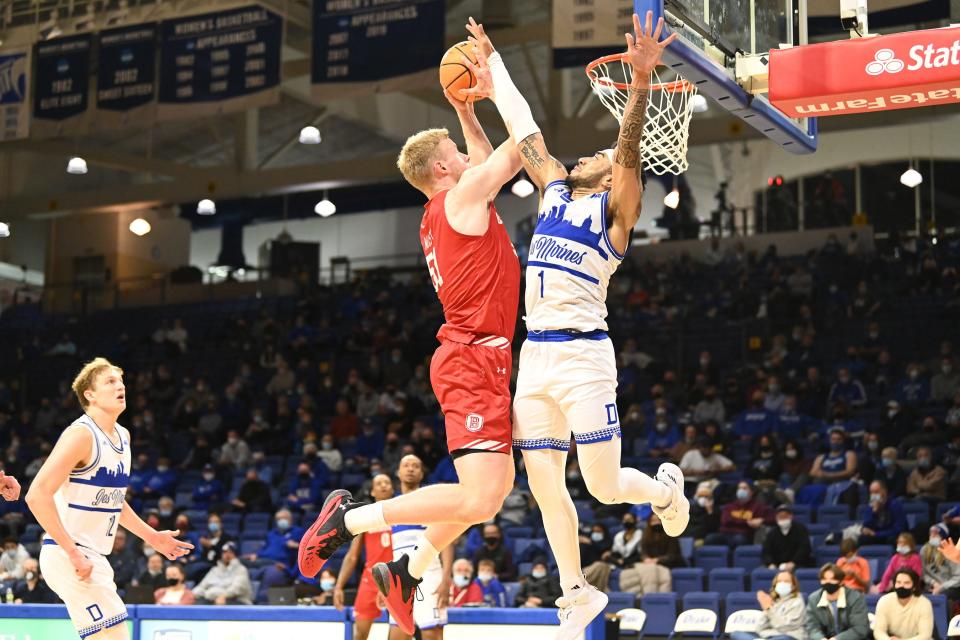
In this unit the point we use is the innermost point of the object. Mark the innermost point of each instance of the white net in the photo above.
(666, 130)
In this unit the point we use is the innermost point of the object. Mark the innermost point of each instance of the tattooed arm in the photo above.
(539, 164)
(626, 195)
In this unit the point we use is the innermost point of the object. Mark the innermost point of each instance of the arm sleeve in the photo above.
(510, 102)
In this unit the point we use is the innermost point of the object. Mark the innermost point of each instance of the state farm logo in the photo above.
(884, 61)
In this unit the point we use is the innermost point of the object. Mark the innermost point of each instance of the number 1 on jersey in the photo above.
(540, 275)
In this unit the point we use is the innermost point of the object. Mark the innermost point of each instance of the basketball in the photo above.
(455, 75)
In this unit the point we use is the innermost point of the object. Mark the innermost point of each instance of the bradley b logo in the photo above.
(474, 422)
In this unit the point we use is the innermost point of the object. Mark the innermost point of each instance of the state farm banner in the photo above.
(898, 71)
(14, 94)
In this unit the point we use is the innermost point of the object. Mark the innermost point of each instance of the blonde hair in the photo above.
(793, 581)
(416, 158)
(88, 376)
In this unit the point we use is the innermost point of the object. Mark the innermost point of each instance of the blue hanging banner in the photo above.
(61, 80)
(127, 71)
(365, 47)
(14, 94)
(218, 62)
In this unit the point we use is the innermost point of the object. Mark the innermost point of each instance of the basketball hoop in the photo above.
(666, 130)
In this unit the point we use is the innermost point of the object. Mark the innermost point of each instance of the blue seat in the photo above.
(837, 516)
(747, 557)
(353, 480)
(740, 600)
(524, 546)
(524, 568)
(940, 618)
(725, 580)
(871, 600)
(516, 532)
(710, 557)
(703, 600)
(762, 578)
(511, 589)
(686, 548)
(620, 600)
(250, 546)
(661, 610)
(809, 579)
(943, 507)
(918, 507)
(827, 553)
(687, 580)
(802, 513)
(879, 552)
(261, 520)
(819, 529)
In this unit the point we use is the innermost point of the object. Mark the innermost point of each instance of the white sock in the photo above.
(422, 557)
(366, 518)
(574, 587)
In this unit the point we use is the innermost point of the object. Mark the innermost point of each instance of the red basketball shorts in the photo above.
(365, 606)
(472, 383)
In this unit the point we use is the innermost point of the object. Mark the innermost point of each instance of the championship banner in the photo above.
(219, 62)
(581, 33)
(14, 94)
(61, 84)
(367, 46)
(126, 77)
(897, 71)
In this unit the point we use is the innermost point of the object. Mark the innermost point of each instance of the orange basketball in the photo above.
(455, 75)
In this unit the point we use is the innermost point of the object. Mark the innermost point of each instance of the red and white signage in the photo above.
(898, 71)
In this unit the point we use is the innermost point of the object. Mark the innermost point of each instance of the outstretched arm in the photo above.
(475, 186)
(626, 195)
(478, 145)
(494, 80)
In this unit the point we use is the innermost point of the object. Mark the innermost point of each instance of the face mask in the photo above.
(538, 574)
(783, 589)
(791, 453)
(149, 551)
(208, 477)
(903, 549)
(30, 576)
(876, 497)
(173, 581)
(704, 362)
(843, 380)
(165, 513)
(461, 581)
(283, 524)
(934, 542)
(946, 369)
(923, 463)
(887, 463)
(873, 445)
(213, 527)
(891, 414)
(830, 587)
(662, 426)
(742, 494)
(327, 446)
(773, 388)
(914, 375)
(836, 446)
(784, 525)
(485, 577)
(233, 440)
(629, 524)
(328, 584)
(596, 536)
(491, 540)
(903, 592)
(874, 335)
(703, 501)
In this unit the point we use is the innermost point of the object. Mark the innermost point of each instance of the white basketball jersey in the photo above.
(89, 502)
(570, 263)
(406, 537)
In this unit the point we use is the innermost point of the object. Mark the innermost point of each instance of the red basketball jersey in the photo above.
(477, 278)
(377, 547)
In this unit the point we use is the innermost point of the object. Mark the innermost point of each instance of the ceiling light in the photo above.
(325, 208)
(522, 188)
(309, 135)
(77, 166)
(140, 227)
(672, 199)
(699, 104)
(206, 207)
(4, 230)
(911, 178)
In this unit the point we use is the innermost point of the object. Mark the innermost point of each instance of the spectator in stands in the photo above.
(493, 549)
(494, 593)
(766, 466)
(847, 390)
(327, 584)
(904, 612)
(774, 397)
(370, 442)
(254, 495)
(200, 454)
(305, 490)
(886, 518)
(539, 589)
(709, 408)
(226, 583)
(787, 546)
(835, 612)
(465, 591)
(330, 455)
(594, 555)
(283, 379)
(517, 506)
(11, 562)
(891, 473)
(344, 426)
(839, 463)
(784, 612)
(796, 466)
(703, 463)
(163, 482)
(704, 514)
(939, 574)
(755, 421)
(854, 566)
(123, 559)
(235, 454)
(812, 393)
(625, 550)
(720, 443)
(659, 554)
(209, 491)
(790, 424)
(906, 556)
(662, 436)
(187, 532)
(65, 346)
(741, 519)
(927, 481)
(914, 390)
(166, 512)
(688, 443)
(33, 588)
(279, 552)
(176, 591)
(946, 382)
(153, 575)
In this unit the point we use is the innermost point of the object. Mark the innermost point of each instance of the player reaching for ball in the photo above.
(567, 375)
(476, 273)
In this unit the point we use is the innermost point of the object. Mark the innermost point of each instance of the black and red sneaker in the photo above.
(398, 587)
(327, 534)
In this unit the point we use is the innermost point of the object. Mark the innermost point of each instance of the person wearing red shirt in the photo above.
(465, 591)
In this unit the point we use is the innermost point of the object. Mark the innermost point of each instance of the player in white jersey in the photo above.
(430, 611)
(567, 377)
(78, 497)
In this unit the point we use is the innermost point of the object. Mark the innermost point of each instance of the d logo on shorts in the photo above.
(474, 422)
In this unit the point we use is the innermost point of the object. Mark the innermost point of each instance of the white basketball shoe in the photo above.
(676, 515)
(578, 612)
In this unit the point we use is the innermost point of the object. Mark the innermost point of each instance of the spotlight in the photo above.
(140, 227)
(309, 135)
(77, 166)
(206, 207)
(672, 199)
(522, 188)
(325, 208)
(699, 104)
(911, 178)
(4, 230)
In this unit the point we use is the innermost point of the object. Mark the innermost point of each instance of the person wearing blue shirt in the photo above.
(140, 474)
(279, 552)
(662, 437)
(304, 489)
(208, 491)
(914, 390)
(791, 425)
(847, 390)
(494, 595)
(885, 520)
(162, 482)
(370, 442)
(265, 471)
(756, 421)
(444, 473)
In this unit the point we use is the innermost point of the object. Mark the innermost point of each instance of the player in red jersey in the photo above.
(476, 273)
(377, 547)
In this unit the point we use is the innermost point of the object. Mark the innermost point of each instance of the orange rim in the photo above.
(670, 87)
